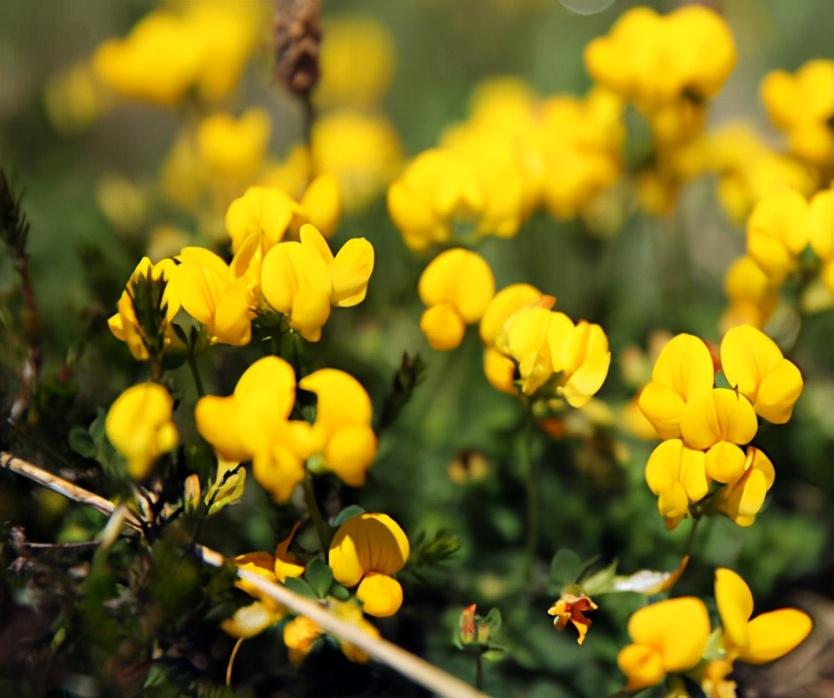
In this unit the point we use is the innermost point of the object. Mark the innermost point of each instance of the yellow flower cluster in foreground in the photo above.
(704, 427)
(672, 637)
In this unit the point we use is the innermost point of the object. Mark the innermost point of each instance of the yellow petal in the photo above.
(381, 595)
(735, 606)
(300, 634)
(725, 462)
(677, 628)
(778, 392)
(278, 470)
(350, 452)
(367, 543)
(459, 278)
(443, 326)
(506, 302)
(642, 665)
(251, 620)
(321, 203)
(351, 270)
(719, 415)
(774, 634)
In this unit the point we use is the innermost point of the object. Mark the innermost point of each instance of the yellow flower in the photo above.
(764, 638)
(368, 550)
(209, 292)
(743, 497)
(342, 435)
(777, 231)
(351, 613)
(546, 344)
(457, 287)
(653, 59)
(74, 98)
(437, 191)
(300, 634)
(233, 149)
(677, 475)
(303, 279)
(498, 367)
(754, 365)
(802, 105)
(572, 608)
(252, 424)
(752, 295)
(362, 151)
(668, 636)
(683, 371)
(357, 62)
(124, 324)
(253, 619)
(716, 416)
(140, 427)
(157, 62)
(822, 233)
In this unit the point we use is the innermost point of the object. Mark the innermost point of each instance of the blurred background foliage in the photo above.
(447, 466)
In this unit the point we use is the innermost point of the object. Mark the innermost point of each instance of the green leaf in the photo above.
(81, 442)
(493, 621)
(339, 592)
(320, 576)
(347, 513)
(601, 581)
(565, 568)
(300, 586)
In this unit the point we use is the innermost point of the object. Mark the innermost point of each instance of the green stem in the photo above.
(195, 372)
(531, 477)
(479, 671)
(322, 529)
(690, 539)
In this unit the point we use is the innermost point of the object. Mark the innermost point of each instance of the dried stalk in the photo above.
(407, 664)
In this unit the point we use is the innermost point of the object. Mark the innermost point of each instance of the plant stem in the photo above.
(195, 372)
(690, 539)
(322, 529)
(434, 679)
(531, 477)
(479, 671)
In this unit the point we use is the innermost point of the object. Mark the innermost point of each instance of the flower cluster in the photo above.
(668, 67)
(704, 427)
(787, 237)
(516, 152)
(367, 550)
(673, 637)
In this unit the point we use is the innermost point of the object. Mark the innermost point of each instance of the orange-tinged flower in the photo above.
(572, 608)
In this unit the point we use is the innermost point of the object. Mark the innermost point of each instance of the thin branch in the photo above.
(407, 664)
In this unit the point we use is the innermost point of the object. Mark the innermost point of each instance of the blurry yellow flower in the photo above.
(348, 611)
(653, 59)
(677, 475)
(124, 324)
(457, 287)
(802, 105)
(777, 231)
(251, 620)
(752, 296)
(209, 292)
(183, 176)
(362, 151)
(572, 608)
(252, 424)
(342, 435)
(233, 149)
(636, 423)
(140, 427)
(668, 636)
(74, 98)
(357, 62)
(766, 637)
(368, 550)
(683, 371)
(157, 62)
(754, 365)
(742, 498)
(166, 241)
(303, 279)
(291, 174)
(300, 634)
(437, 191)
